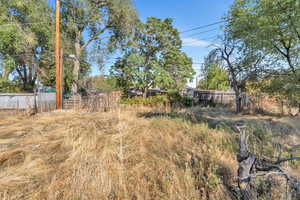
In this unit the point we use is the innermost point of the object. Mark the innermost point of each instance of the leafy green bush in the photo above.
(150, 101)
(187, 101)
(173, 98)
(8, 87)
(177, 100)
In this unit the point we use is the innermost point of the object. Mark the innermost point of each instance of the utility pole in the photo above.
(61, 76)
(58, 57)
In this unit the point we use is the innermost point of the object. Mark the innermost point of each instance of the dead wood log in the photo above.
(250, 167)
(246, 161)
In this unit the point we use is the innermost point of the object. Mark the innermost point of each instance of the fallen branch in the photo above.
(250, 168)
(287, 159)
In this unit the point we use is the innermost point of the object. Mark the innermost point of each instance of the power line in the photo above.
(208, 38)
(203, 32)
(198, 40)
(218, 22)
(204, 26)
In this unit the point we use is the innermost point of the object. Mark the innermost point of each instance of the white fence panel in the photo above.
(46, 101)
(17, 101)
(42, 101)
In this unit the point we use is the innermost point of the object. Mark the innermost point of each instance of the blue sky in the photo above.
(188, 14)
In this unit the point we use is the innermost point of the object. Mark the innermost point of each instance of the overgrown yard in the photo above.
(129, 154)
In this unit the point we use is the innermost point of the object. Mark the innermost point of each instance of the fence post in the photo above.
(222, 98)
(35, 103)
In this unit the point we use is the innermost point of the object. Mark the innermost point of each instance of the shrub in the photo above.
(177, 100)
(150, 101)
(173, 98)
(187, 101)
(9, 87)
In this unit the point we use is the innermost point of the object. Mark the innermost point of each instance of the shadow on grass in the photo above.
(225, 119)
(271, 135)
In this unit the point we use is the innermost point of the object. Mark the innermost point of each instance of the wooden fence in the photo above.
(94, 103)
(22, 101)
(207, 97)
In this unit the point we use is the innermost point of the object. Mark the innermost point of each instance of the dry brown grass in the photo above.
(114, 155)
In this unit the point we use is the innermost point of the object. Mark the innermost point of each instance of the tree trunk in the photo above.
(246, 161)
(145, 93)
(76, 68)
(238, 101)
(5, 75)
(282, 108)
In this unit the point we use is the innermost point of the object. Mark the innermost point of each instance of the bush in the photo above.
(9, 87)
(172, 98)
(177, 100)
(150, 101)
(187, 101)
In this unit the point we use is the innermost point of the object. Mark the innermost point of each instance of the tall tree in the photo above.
(154, 59)
(94, 21)
(272, 26)
(214, 76)
(242, 63)
(24, 38)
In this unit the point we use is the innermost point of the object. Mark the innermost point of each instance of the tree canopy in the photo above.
(271, 27)
(105, 24)
(25, 43)
(215, 76)
(154, 59)
(27, 39)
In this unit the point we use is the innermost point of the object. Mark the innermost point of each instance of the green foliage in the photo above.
(154, 59)
(9, 86)
(215, 78)
(105, 25)
(285, 88)
(173, 99)
(24, 45)
(187, 101)
(113, 17)
(27, 48)
(272, 27)
(260, 140)
(150, 101)
(174, 96)
(101, 84)
(176, 100)
(268, 25)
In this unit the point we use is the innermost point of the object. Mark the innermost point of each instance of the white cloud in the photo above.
(193, 42)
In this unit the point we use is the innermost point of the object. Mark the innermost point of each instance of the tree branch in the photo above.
(95, 37)
(287, 159)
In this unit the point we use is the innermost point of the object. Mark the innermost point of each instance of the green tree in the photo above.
(214, 76)
(100, 83)
(242, 63)
(285, 88)
(272, 27)
(154, 59)
(24, 42)
(89, 22)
